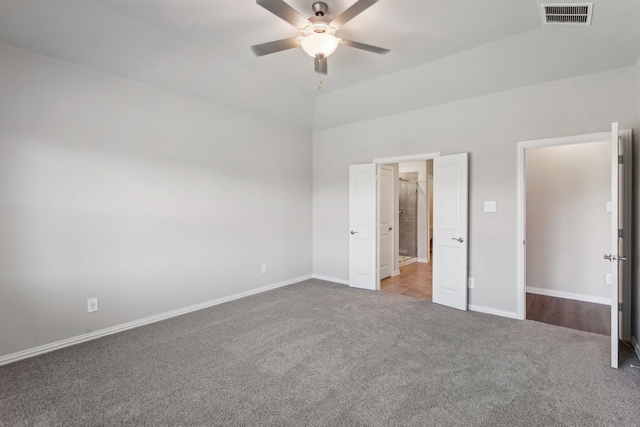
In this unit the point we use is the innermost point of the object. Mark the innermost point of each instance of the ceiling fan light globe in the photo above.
(319, 44)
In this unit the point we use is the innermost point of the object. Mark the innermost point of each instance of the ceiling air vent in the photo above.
(567, 14)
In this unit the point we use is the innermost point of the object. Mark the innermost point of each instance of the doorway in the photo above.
(450, 225)
(568, 191)
(619, 248)
(413, 274)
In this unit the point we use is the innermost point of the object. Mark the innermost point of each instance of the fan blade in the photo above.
(367, 47)
(320, 64)
(275, 46)
(356, 9)
(285, 12)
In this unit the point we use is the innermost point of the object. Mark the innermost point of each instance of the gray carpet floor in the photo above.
(321, 354)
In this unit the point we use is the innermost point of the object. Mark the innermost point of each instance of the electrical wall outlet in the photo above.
(490, 206)
(92, 305)
(608, 278)
(263, 268)
(470, 283)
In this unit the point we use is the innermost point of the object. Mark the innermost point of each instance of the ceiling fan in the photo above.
(318, 37)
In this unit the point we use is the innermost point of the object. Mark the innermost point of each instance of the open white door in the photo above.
(450, 228)
(385, 219)
(620, 256)
(612, 257)
(625, 244)
(362, 226)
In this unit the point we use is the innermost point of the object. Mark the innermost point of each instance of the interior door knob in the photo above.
(607, 256)
(354, 232)
(459, 239)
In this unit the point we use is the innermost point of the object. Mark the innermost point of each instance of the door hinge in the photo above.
(619, 232)
(620, 159)
(619, 306)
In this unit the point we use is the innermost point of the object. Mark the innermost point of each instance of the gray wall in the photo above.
(153, 201)
(149, 200)
(488, 127)
(568, 226)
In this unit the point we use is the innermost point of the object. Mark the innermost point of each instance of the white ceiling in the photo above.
(200, 48)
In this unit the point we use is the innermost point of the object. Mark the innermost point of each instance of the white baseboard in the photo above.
(423, 260)
(330, 279)
(396, 273)
(494, 311)
(568, 295)
(36, 351)
(408, 262)
(634, 342)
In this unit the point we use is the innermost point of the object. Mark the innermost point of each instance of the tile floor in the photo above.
(414, 280)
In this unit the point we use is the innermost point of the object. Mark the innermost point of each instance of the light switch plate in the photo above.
(490, 206)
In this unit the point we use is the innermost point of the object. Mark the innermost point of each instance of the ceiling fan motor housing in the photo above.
(320, 8)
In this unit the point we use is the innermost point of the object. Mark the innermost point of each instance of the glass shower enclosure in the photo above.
(408, 216)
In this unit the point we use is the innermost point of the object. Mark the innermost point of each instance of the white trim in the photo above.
(634, 342)
(410, 158)
(568, 295)
(566, 140)
(423, 260)
(36, 351)
(494, 311)
(396, 273)
(521, 260)
(330, 279)
(521, 300)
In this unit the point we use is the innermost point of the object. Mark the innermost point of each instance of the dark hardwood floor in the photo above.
(415, 281)
(584, 316)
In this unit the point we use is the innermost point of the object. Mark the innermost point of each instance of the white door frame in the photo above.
(399, 159)
(521, 300)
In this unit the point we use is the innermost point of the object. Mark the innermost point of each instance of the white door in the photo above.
(362, 226)
(620, 256)
(385, 226)
(625, 245)
(450, 224)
